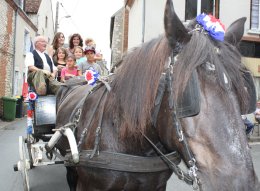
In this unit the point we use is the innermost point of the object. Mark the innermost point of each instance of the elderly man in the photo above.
(41, 70)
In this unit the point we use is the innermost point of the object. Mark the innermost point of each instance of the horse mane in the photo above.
(136, 81)
(135, 85)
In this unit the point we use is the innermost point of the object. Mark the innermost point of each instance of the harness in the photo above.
(132, 163)
(113, 160)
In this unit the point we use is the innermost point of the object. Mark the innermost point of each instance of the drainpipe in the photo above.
(143, 22)
(56, 18)
(14, 49)
(198, 7)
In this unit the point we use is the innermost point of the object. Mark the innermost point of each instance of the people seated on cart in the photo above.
(61, 61)
(41, 70)
(257, 112)
(71, 70)
(89, 42)
(74, 41)
(79, 54)
(90, 63)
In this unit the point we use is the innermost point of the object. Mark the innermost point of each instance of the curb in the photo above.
(254, 139)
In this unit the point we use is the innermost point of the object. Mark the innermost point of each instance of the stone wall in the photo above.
(117, 39)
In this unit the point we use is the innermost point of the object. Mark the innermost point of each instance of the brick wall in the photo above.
(6, 50)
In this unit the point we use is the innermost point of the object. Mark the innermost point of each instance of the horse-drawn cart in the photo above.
(131, 133)
(40, 136)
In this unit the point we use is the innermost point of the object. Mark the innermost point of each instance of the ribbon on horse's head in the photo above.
(211, 25)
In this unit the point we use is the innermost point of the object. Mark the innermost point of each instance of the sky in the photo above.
(89, 18)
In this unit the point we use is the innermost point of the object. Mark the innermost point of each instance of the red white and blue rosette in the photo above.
(91, 76)
(32, 96)
(212, 25)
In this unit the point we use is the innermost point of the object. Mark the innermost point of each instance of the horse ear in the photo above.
(235, 31)
(175, 31)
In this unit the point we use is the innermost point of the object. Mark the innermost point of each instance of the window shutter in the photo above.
(255, 15)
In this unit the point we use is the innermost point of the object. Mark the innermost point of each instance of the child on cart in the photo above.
(71, 70)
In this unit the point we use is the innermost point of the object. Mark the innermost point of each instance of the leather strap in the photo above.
(124, 162)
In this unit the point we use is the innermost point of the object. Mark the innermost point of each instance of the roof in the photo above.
(32, 6)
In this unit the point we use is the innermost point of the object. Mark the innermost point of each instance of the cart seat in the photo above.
(45, 114)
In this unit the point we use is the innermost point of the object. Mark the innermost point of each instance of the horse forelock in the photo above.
(135, 85)
(226, 59)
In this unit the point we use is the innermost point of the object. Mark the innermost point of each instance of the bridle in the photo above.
(190, 177)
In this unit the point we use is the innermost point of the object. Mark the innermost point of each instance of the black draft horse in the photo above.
(121, 122)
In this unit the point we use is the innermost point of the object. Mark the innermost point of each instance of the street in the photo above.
(53, 178)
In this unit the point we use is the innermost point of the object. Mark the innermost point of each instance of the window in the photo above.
(46, 22)
(249, 49)
(255, 15)
(27, 42)
(195, 7)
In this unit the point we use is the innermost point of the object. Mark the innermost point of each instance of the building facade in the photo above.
(146, 16)
(145, 21)
(19, 25)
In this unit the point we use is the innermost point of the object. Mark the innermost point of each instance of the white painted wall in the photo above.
(135, 24)
(154, 19)
(229, 11)
(20, 68)
(232, 10)
(154, 13)
(45, 10)
(154, 23)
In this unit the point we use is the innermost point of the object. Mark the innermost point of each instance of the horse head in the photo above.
(216, 136)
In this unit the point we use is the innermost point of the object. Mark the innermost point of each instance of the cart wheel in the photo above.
(25, 164)
(29, 141)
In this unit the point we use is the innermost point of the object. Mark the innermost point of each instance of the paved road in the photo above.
(52, 178)
(47, 178)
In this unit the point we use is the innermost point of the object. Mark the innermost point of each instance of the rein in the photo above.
(190, 177)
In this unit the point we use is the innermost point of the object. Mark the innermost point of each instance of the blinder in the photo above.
(189, 103)
(250, 87)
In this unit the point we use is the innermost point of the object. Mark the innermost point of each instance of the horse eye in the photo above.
(210, 66)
